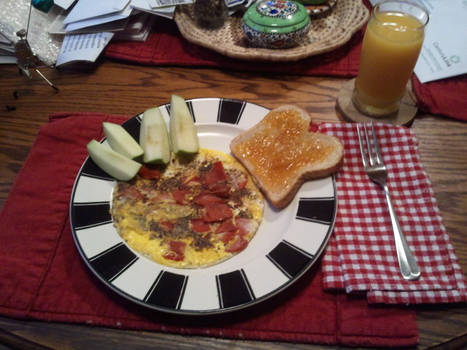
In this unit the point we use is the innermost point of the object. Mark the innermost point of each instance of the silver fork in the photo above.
(376, 170)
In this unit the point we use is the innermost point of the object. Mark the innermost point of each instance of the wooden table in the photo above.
(127, 89)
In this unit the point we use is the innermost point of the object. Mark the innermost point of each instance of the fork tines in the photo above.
(371, 154)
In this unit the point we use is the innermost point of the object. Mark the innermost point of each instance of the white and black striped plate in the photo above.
(285, 246)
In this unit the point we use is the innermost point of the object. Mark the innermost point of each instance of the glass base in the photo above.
(374, 111)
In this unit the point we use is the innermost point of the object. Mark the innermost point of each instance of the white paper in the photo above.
(85, 9)
(83, 47)
(156, 4)
(7, 60)
(131, 26)
(444, 51)
(140, 4)
(57, 27)
(64, 4)
(167, 12)
(5, 40)
(7, 49)
(92, 22)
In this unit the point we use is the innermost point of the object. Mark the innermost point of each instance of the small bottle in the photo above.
(210, 14)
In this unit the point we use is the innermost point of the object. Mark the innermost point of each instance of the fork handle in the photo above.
(407, 263)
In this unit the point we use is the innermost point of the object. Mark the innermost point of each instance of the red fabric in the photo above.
(43, 277)
(447, 97)
(361, 255)
(166, 47)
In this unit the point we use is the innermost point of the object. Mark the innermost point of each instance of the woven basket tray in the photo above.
(326, 34)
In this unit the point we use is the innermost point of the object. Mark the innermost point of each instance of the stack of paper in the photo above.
(7, 50)
(89, 25)
(89, 14)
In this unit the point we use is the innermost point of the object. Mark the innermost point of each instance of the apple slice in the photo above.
(121, 141)
(154, 138)
(183, 132)
(112, 162)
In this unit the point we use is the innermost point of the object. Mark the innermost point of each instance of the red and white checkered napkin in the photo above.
(361, 255)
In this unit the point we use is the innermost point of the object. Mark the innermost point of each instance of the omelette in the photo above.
(193, 213)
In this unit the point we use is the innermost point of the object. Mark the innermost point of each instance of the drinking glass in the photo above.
(391, 45)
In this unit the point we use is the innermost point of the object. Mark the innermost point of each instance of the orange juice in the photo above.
(390, 49)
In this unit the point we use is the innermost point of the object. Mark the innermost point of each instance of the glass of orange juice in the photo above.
(391, 45)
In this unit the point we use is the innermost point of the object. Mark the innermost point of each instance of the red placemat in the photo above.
(44, 278)
(166, 47)
(447, 97)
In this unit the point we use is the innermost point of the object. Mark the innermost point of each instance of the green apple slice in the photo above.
(154, 138)
(112, 162)
(121, 141)
(183, 132)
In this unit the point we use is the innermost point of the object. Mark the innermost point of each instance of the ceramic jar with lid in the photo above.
(275, 24)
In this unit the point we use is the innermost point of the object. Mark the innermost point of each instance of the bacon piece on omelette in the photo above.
(199, 225)
(217, 212)
(216, 180)
(149, 173)
(215, 175)
(179, 196)
(226, 226)
(176, 251)
(207, 198)
(236, 245)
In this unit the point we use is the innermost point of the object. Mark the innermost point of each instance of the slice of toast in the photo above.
(281, 153)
